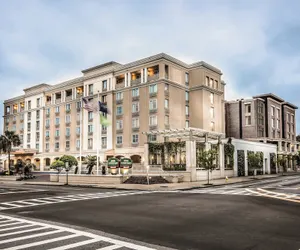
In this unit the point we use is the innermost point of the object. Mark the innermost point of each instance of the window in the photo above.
(29, 104)
(119, 96)
(186, 96)
(37, 147)
(22, 126)
(57, 133)
(28, 145)
(119, 110)
(48, 111)
(78, 117)
(135, 92)
(135, 138)
(56, 145)
(78, 105)
(57, 109)
(104, 142)
(90, 115)
(67, 144)
(14, 118)
(47, 146)
(22, 117)
(57, 121)
(277, 124)
(37, 125)
(90, 142)
(37, 136)
(152, 104)
(166, 103)
(153, 88)
(273, 133)
(29, 116)
(104, 128)
(212, 113)
(90, 128)
(260, 133)
(21, 138)
(166, 120)
(47, 123)
(187, 110)
(68, 118)
(135, 107)
(104, 84)
(187, 79)
(77, 143)
(28, 138)
(119, 139)
(14, 128)
(153, 120)
(91, 89)
(167, 71)
(273, 123)
(247, 108)
(28, 126)
(288, 117)
(273, 111)
(119, 124)
(135, 122)
(211, 97)
(187, 124)
(206, 80)
(211, 83)
(68, 132)
(47, 133)
(292, 118)
(38, 102)
(216, 84)
(7, 110)
(166, 87)
(68, 107)
(104, 98)
(278, 113)
(248, 120)
(289, 128)
(212, 126)
(37, 114)
(260, 107)
(260, 120)
(278, 134)
(152, 138)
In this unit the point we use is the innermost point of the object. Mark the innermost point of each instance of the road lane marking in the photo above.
(88, 238)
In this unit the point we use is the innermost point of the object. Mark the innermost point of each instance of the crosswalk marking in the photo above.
(44, 235)
(67, 198)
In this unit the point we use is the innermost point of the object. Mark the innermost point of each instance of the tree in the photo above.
(207, 160)
(70, 159)
(7, 141)
(281, 161)
(298, 138)
(58, 165)
(90, 161)
(254, 161)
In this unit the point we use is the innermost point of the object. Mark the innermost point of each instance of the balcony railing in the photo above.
(68, 111)
(104, 146)
(119, 131)
(57, 101)
(135, 129)
(119, 145)
(120, 85)
(57, 125)
(67, 149)
(153, 127)
(47, 138)
(91, 133)
(136, 81)
(119, 101)
(69, 98)
(57, 137)
(56, 149)
(90, 147)
(47, 126)
(91, 93)
(78, 95)
(152, 111)
(47, 150)
(153, 77)
(68, 124)
(135, 98)
(104, 132)
(153, 94)
(48, 103)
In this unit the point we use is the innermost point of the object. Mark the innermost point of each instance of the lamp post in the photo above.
(67, 171)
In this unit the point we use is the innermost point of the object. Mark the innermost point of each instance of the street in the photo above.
(260, 214)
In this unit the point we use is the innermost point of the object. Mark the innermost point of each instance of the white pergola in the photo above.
(190, 136)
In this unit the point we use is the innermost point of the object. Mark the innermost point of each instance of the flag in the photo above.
(104, 121)
(88, 105)
(103, 108)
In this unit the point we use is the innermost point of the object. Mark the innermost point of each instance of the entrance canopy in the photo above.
(188, 134)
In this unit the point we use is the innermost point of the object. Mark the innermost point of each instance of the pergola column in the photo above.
(191, 159)
(246, 162)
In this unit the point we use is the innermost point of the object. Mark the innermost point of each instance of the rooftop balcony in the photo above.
(153, 73)
(120, 82)
(135, 78)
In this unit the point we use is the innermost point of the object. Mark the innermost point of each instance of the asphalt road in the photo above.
(239, 216)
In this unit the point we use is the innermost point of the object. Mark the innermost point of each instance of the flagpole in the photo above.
(80, 140)
(98, 133)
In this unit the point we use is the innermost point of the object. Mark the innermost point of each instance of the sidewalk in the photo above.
(160, 187)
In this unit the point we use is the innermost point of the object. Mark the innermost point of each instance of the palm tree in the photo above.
(90, 161)
(7, 141)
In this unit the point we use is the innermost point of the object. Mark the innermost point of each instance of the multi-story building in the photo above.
(154, 93)
(265, 118)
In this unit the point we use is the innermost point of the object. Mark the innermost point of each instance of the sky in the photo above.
(255, 43)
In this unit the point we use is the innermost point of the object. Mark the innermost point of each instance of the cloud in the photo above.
(47, 41)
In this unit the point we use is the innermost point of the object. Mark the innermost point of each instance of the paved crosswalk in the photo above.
(17, 233)
(66, 198)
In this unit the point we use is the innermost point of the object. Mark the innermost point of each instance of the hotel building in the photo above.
(155, 93)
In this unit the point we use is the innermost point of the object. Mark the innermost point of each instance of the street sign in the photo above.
(126, 163)
(113, 163)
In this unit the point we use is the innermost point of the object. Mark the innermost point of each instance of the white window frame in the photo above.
(119, 124)
(118, 137)
(153, 88)
(135, 107)
(134, 137)
(135, 122)
(119, 96)
(212, 98)
(135, 92)
(154, 119)
(90, 128)
(152, 104)
(166, 102)
(121, 107)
